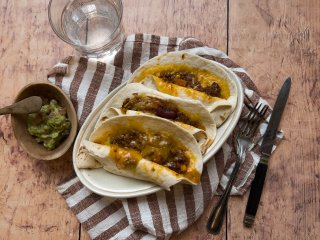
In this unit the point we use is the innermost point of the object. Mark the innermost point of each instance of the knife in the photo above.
(265, 150)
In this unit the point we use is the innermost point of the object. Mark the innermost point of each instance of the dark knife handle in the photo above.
(255, 193)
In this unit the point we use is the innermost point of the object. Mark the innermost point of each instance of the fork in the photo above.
(244, 138)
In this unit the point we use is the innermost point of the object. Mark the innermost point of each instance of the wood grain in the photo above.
(30, 207)
(271, 39)
(203, 19)
(279, 39)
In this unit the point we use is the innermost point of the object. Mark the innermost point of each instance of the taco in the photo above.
(146, 148)
(191, 77)
(136, 99)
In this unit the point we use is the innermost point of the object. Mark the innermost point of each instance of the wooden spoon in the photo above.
(25, 106)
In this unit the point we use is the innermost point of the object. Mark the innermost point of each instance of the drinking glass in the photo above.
(92, 27)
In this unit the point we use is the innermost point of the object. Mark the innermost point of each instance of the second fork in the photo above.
(246, 133)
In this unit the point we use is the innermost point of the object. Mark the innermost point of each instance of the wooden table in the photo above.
(271, 39)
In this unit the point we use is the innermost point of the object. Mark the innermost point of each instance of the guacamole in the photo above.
(49, 126)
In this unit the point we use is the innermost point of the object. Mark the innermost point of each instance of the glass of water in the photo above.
(92, 27)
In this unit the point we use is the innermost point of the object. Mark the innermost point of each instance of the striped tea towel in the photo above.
(162, 214)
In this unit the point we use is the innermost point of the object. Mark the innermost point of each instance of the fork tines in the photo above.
(252, 121)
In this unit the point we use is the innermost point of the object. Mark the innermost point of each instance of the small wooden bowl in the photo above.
(19, 122)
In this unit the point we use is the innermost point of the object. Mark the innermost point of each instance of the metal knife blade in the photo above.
(265, 149)
(271, 132)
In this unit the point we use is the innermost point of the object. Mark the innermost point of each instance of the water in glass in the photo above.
(92, 23)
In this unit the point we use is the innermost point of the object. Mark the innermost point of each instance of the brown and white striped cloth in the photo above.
(162, 214)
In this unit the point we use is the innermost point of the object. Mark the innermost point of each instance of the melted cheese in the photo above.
(124, 158)
(204, 77)
(129, 158)
(192, 174)
(176, 90)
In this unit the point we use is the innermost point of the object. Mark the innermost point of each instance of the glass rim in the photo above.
(77, 45)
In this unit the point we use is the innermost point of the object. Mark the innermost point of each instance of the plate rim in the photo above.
(208, 156)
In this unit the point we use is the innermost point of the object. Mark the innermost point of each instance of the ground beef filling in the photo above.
(158, 107)
(156, 148)
(189, 80)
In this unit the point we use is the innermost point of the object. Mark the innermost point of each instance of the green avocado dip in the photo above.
(49, 126)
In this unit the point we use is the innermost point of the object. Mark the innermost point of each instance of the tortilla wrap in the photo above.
(145, 169)
(208, 72)
(193, 109)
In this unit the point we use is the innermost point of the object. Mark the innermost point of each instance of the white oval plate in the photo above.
(107, 184)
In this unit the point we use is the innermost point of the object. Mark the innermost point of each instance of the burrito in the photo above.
(136, 99)
(191, 77)
(146, 148)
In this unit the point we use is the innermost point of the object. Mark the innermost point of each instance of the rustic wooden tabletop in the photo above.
(271, 39)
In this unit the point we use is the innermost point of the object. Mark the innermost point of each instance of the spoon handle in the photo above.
(14, 109)
(6, 110)
(25, 106)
